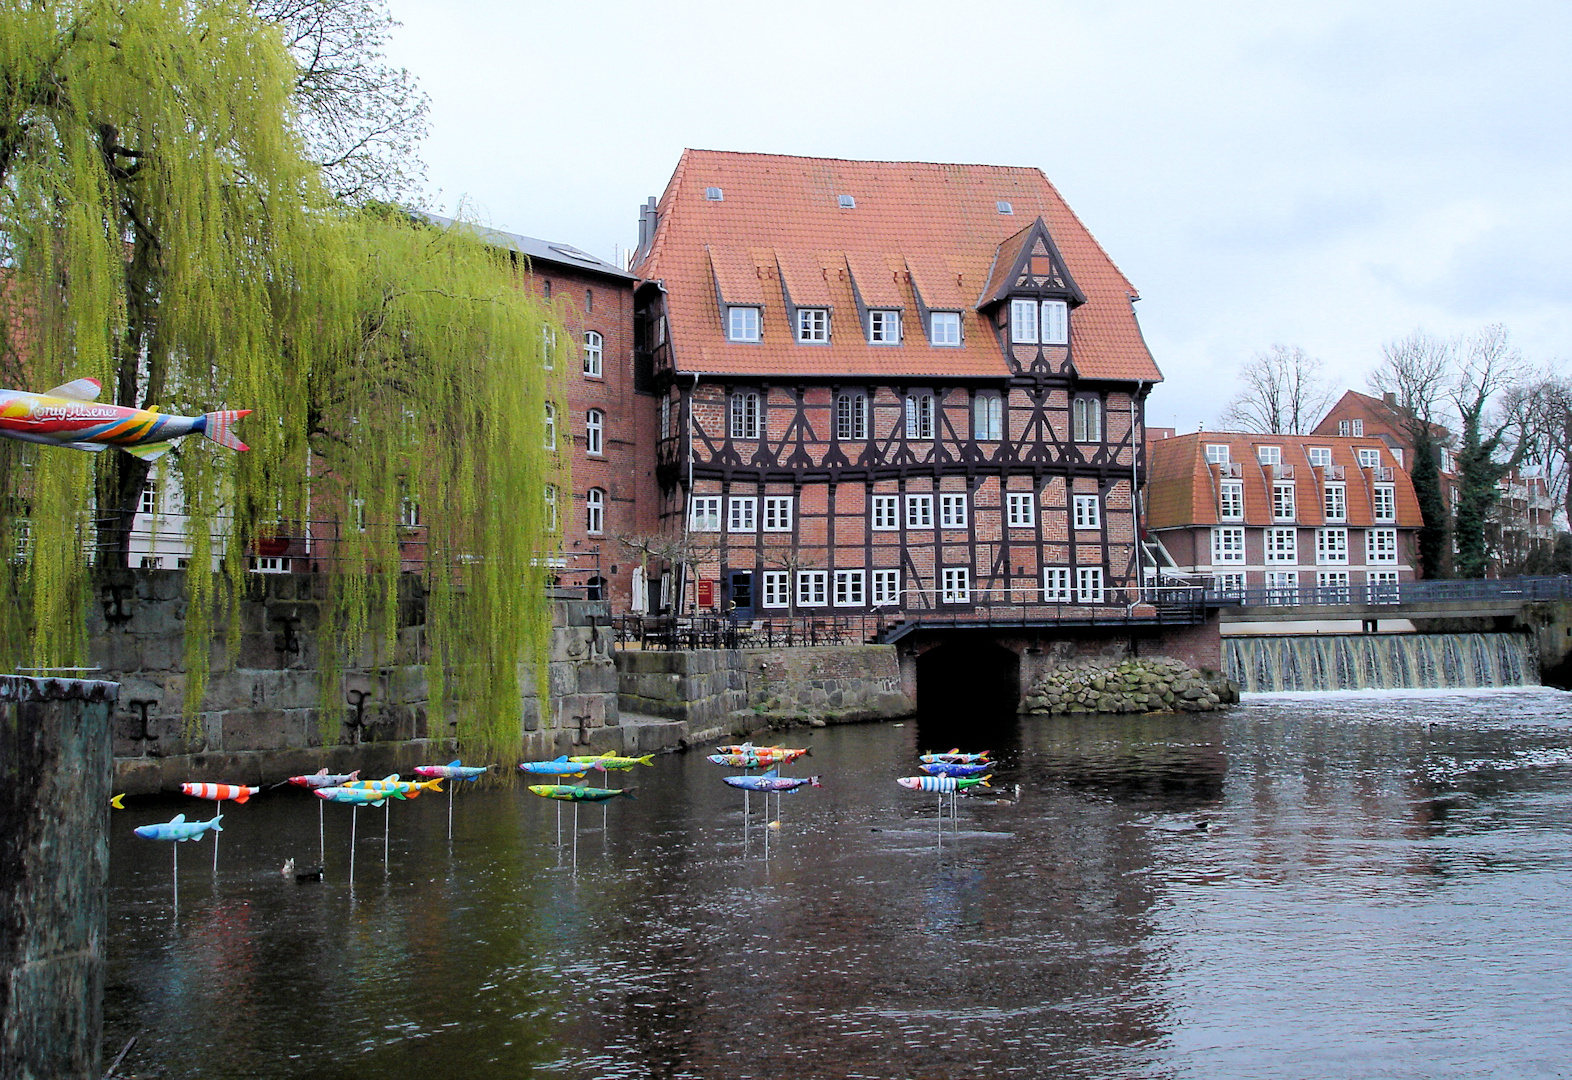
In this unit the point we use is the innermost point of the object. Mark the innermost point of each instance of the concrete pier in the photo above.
(55, 772)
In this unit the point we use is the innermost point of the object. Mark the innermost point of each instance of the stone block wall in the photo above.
(834, 683)
(582, 684)
(703, 687)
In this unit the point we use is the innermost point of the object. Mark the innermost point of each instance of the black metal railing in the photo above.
(670, 632)
(1483, 590)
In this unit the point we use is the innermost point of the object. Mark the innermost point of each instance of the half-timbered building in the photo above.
(891, 386)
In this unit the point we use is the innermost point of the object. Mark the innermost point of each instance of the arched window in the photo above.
(551, 507)
(1087, 419)
(594, 428)
(745, 415)
(595, 511)
(593, 348)
(988, 417)
(551, 426)
(851, 416)
(548, 348)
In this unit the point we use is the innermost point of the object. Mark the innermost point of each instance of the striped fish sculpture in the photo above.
(560, 767)
(178, 828)
(355, 796)
(453, 770)
(941, 783)
(771, 781)
(219, 792)
(955, 768)
(757, 758)
(574, 793)
(954, 757)
(391, 784)
(322, 778)
(70, 415)
(612, 761)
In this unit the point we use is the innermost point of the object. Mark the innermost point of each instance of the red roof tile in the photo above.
(933, 229)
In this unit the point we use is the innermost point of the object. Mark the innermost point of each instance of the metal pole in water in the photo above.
(175, 877)
(387, 827)
(354, 819)
(575, 836)
(215, 853)
(453, 784)
(321, 834)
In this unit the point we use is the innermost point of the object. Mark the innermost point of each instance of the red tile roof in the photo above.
(932, 228)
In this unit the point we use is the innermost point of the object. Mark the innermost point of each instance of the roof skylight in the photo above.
(1003, 207)
(714, 194)
(847, 202)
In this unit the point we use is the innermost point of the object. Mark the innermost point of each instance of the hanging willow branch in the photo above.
(162, 231)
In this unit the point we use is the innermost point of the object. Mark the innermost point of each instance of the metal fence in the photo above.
(723, 632)
(1518, 590)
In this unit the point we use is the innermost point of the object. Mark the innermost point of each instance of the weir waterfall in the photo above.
(1379, 661)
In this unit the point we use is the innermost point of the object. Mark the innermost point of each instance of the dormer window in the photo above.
(1217, 453)
(742, 324)
(884, 327)
(944, 328)
(1023, 322)
(1056, 322)
(1269, 455)
(813, 325)
(1033, 322)
(1320, 456)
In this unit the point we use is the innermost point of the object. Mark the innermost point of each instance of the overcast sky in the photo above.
(1322, 174)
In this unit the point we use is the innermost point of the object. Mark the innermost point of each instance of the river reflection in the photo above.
(1314, 886)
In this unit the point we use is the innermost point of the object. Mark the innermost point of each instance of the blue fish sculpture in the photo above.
(955, 768)
(560, 767)
(771, 781)
(179, 829)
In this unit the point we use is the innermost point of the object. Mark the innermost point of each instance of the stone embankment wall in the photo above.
(1155, 684)
(1550, 623)
(261, 714)
(725, 691)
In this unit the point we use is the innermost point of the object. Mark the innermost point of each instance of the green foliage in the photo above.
(1434, 535)
(162, 230)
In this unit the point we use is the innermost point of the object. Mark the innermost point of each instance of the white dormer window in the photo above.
(813, 325)
(944, 328)
(1320, 456)
(1269, 455)
(1369, 457)
(884, 327)
(1230, 498)
(1023, 322)
(1056, 322)
(1217, 453)
(742, 324)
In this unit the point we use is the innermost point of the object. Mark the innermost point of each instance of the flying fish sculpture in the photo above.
(71, 415)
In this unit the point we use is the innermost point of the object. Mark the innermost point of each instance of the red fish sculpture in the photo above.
(70, 415)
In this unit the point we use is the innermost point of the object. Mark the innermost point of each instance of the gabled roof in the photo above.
(549, 251)
(918, 237)
(1029, 261)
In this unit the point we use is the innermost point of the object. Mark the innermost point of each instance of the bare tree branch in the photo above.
(1283, 393)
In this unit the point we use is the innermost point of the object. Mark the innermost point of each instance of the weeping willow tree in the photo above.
(162, 230)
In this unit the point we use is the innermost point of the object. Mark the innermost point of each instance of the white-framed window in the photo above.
(1269, 455)
(409, 512)
(1088, 512)
(884, 327)
(1228, 545)
(156, 562)
(1320, 456)
(551, 426)
(1056, 584)
(1333, 586)
(1380, 545)
(919, 416)
(813, 588)
(886, 587)
(744, 415)
(665, 418)
(1381, 587)
(1282, 587)
(1448, 462)
(1331, 546)
(1089, 584)
(149, 501)
(1086, 419)
(1282, 545)
(988, 417)
(595, 511)
(886, 512)
(777, 513)
(849, 588)
(550, 497)
(1230, 500)
(851, 416)
(594, 351)
(944, 328)
(1283, 502)
(1055, 326)
(952, 511)
(742, 324)
(267, 564)
(955, 585)
(1231, 584)
(1020, 509)
(919, 511)
(548, 347)
(1397, 455)
(777, 588)
(594, 432)
(357, 514)
(742, 514)
(813, 325)
(1023, 321)
(1385, 502)
(704, 514)
(1217, 453)
(1335, 497)
(1369, 457)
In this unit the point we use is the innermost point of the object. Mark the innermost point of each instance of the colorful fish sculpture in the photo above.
(178, 828)
(771, 781)
(389, 784)
(605, 762)
(955, 768)
(574, 793)
(941, 783)
(954, 757)
(322, 778)
(355, 796)
(453, 770)
(219, 792)
(758, 757)
(70, 415)
(562, 766)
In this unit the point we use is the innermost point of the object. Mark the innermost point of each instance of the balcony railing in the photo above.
(1407, 592)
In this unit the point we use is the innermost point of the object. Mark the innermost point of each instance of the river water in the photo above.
(1314, 886)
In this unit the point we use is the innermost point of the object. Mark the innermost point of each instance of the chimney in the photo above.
(1390, 398)
(649, 217)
